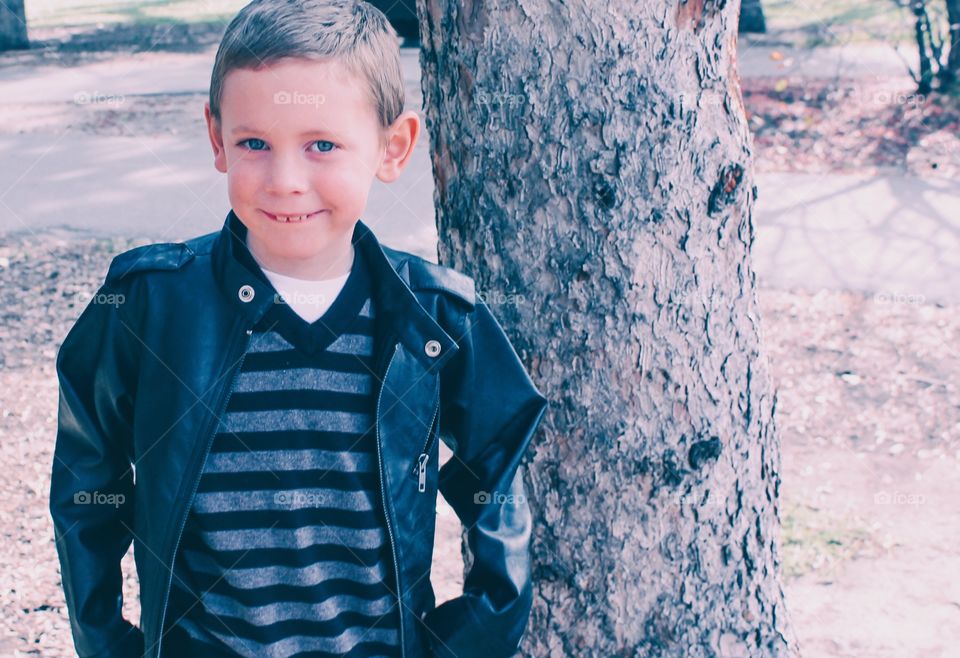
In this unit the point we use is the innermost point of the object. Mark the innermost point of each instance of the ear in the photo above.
(400, 139)
(216, 140)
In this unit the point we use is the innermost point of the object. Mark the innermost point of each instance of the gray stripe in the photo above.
(210, 502)
(367, 309)
(298, 643)
(197, 632)
(311, 379)
(271, 613)
(241, 540)
(289, 460)
(350, 343)
(296, 419)
(278, 575)
(358, 344)
(269, 341)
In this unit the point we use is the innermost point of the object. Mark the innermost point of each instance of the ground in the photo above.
(869, 419)
(868, 413)
(852, 125)
(868, 407)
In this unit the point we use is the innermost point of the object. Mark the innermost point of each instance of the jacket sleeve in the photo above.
(489, 412)
(92, 483)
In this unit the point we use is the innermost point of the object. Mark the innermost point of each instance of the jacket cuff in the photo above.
(130, 645)
(468, 627)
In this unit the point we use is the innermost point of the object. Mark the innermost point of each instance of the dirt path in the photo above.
(869, 417)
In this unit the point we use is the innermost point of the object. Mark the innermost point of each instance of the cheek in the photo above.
(349, 184)
(243, 178)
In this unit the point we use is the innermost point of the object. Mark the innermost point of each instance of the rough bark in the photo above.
(593, 173)
(751, 17)
(13, 26)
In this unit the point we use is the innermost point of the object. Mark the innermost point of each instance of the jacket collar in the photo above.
(252, 294)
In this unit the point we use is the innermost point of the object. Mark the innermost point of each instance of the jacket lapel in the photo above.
(398, 306)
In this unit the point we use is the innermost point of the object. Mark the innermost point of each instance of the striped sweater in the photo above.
(285, 550)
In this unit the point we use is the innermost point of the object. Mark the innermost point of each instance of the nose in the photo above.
(287, 175)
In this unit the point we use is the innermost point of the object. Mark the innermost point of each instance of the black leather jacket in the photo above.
(145, 373)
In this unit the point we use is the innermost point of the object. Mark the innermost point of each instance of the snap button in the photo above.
(246, 293)
(432, 348)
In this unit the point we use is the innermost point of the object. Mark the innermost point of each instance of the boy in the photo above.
(260, 405)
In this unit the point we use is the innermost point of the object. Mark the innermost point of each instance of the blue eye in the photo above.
(325, 146)
(253, 144)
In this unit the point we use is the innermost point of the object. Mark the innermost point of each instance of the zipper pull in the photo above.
(422, 463)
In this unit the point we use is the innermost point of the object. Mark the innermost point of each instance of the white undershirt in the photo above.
(308, 298)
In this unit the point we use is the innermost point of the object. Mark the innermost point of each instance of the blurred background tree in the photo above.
(751, 17)
(403, 16)
(13, 25)
(937, 31)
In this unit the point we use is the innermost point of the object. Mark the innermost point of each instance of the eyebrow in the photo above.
(316, 131)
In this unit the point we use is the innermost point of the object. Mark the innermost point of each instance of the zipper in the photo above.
(383, 496)
(420, 465)
(196, 484)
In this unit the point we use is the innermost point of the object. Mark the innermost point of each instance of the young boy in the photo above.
(257, 409)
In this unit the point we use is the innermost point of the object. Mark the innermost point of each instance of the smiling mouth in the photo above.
(291, 219)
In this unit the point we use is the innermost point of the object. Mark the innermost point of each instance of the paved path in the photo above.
(893, 235)
(160, 186)
(165, 187)
(860, 60)
(173, 73)
(128, 74)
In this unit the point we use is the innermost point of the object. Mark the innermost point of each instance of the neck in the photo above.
(334, 261)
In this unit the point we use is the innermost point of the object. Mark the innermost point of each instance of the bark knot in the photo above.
(703, 451)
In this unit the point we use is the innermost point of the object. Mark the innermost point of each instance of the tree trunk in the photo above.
(594, 174)
(751, 17)
(13, 26)
(921, 31)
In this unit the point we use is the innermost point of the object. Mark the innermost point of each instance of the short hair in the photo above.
(352, 32)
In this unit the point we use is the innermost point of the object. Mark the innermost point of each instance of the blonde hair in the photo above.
(353, 32)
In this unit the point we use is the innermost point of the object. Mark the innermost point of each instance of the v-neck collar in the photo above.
(312, 337)
(404, 319)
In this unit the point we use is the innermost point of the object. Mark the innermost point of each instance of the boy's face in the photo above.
(301, 138)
